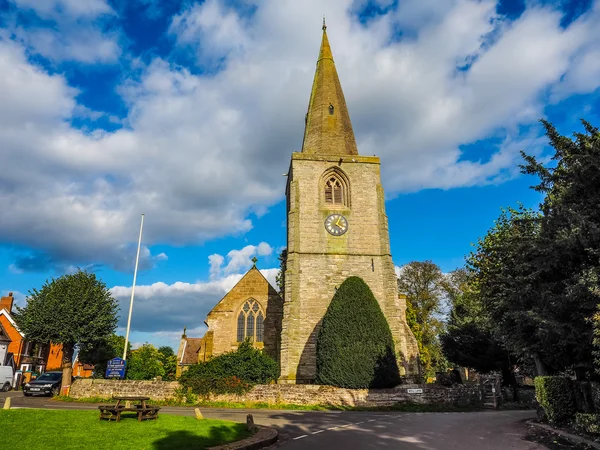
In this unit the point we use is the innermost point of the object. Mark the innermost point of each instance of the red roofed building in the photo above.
(21, 354)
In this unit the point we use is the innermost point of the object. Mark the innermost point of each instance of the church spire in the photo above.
(328, 128)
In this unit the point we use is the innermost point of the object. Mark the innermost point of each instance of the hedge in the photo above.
(588, 423)
(555, 395)
(355, 348)
(233, 372)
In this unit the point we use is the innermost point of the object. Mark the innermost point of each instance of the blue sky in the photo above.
(188, 111)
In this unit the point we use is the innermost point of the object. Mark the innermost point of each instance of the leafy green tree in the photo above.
(280, 279)
(75, 309)
(504, 262)
(355, 348)
(101, 354)
(468, 340)
(144, 363)
(517, 273)
(168, 359)
(425, 288)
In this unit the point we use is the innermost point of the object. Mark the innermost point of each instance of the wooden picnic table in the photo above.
(143, 410)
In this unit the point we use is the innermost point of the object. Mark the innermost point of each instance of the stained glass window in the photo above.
(241, 327)
(250, 322)
(259, 327)
(250, 327)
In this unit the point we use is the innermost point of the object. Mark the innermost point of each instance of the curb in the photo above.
(572, 437)
(264, 437)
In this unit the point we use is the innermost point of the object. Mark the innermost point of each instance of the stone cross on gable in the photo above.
(254, 260)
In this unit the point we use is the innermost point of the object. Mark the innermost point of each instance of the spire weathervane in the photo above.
(324, 26)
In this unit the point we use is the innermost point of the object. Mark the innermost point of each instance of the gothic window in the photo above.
(241, 327)
(250, 322)
(336, 190)
(260, 327)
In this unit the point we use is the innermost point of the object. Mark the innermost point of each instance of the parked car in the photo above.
(47, 384)
(6, 378)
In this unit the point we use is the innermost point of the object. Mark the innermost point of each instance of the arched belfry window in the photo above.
(250, 322)
(335, 186)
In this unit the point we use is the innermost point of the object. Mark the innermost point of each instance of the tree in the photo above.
(518, 277)
(280, 279)
(168, 359)
(102, 353)
(75, 309)
(145, 363)
(468, 340)
(355, 348)
(570, 231)
(425, 287)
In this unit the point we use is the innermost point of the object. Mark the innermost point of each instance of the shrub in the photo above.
(555, 396)
(355, 348)
(588, 423)
(231, 373)
(144, 364)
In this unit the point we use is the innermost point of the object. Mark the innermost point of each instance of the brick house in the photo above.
(21, 354)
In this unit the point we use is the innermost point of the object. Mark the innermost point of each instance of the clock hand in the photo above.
(337, 223)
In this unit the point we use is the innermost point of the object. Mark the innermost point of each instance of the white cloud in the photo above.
(264, 249)
(76, 34)
(211, 27)
(167, 308)
(242, 259)
(200, 151)
(215, 261)
(237, 259)
(73, 8)
(85, 45)
(583, 75)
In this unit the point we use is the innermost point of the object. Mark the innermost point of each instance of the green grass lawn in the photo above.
(57, 429)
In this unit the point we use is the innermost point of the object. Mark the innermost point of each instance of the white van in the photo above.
(6, 378)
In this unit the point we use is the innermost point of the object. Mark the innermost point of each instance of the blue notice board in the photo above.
(116, 368)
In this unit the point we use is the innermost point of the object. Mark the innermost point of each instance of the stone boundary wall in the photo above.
(91, 387)
(298, 394)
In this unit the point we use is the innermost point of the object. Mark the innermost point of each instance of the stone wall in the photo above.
(525, 395)
(292, 394)
(156, 390)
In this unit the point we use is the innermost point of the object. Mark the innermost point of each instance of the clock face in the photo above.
(336, 224)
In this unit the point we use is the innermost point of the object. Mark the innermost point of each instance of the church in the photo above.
(336, 228)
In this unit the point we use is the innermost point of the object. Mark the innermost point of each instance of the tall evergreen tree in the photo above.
(355, 348)
(570, 233)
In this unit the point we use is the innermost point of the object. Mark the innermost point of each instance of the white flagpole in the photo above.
(137, 259)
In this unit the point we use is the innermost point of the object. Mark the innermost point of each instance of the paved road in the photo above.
(494, 430)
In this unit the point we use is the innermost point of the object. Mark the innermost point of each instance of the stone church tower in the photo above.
(337, 228)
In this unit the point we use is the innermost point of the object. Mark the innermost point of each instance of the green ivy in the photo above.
(231, 373)
(588, 423)
(355, 348)
(555, 395)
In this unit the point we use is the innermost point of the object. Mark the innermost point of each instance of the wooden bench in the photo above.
(110, 412)
(143, 410)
